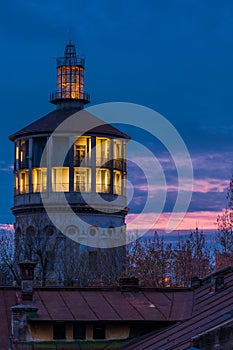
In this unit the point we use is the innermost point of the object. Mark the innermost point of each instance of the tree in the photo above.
(9, 258)
(150, 261)
(224, 238)
(159, 263)
(192, 258)
(72, 262)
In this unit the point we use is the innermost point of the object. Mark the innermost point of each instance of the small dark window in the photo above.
(79, 331)
(59, 330)
(98, 331)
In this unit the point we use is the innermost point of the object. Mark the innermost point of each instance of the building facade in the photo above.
(70, 187)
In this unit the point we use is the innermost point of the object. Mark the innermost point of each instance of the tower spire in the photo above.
(70, 80)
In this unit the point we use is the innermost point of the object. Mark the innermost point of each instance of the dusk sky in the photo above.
(175, 57)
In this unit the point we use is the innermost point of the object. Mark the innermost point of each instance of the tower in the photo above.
(70, 81)
(85, 163)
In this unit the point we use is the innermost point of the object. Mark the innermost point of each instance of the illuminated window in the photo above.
(23, 154)
(82, 179)
(82, 150)
(23, 181)
(102, 180)
(16, 152)
(124, 156)
(117, 153)
(60, 179)
(117, 180)
(16, 182)
(70, 81)
(39, 179)
(102, 151)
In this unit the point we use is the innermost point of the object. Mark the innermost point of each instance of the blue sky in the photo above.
(175, 57)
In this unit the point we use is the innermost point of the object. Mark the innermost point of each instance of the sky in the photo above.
(174, 57)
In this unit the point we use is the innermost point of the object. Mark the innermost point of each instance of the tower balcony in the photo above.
(59, 97)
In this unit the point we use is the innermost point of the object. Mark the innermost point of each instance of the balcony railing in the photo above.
(103, 162)
(39, 188)
(59, 95)
(24, 189)
(60, 187)
(82, 187)
(117, 163)
(23, 164)
(82, 161)
(117, 189)
(102, 188)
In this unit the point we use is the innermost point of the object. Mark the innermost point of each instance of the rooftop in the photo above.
(188, 313)
(210, 309)
(85, 121)
(98, 304)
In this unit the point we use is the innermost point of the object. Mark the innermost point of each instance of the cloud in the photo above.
(212, 172)
(205, 220)
(4, 167)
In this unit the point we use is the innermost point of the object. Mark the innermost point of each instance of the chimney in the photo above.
(217, 283)
(27, 269)
(19, 321)
(129, 284)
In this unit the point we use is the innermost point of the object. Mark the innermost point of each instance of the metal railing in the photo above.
(60, 187)
(103, 162)
(102, 188)
(83, 161)
(39, 188)
(59, 95)
(82, 187)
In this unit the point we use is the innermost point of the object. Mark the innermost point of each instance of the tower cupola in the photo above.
(70, 81)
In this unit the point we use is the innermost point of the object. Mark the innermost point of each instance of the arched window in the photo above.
(92, 231)
(49, 230)
(111, 230)
(71, 231)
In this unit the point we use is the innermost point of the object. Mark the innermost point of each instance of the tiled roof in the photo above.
(210, 309)
(85, 121)
(194, 310)
(111, 304)
(98, 304)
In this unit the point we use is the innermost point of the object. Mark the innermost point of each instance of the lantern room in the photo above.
(70, 80)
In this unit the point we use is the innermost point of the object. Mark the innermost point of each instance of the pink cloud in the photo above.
(199, 185)
(206, 220)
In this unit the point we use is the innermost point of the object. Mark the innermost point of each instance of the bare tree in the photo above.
(224, 238)
(150, 261)
(72, 262)
(9, 258)
(192, 257)
(44, 245)
(161, 264)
